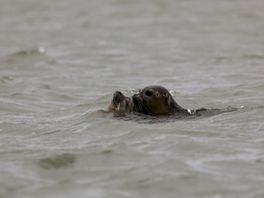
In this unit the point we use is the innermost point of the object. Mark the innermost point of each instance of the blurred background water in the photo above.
(60, 62)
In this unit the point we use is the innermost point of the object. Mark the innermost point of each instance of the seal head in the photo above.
(155, 100)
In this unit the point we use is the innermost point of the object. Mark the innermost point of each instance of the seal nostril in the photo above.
(148, 93)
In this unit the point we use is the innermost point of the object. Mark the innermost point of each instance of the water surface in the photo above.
(60, 62)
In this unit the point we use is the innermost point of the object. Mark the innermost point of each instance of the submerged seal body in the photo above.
(155, 101)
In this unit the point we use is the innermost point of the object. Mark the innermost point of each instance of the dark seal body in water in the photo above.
(155, 101)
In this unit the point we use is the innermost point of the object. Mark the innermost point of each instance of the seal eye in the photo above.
(149, 93)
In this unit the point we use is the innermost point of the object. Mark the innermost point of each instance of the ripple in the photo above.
(58, 161)
(26, 56)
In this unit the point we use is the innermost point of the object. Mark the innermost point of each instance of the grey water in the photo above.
(60, 63)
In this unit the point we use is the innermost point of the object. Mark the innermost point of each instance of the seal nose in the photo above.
(149, 93)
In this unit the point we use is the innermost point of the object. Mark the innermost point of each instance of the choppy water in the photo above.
(60, 62)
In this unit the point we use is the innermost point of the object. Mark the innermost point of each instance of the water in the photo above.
(60, 62)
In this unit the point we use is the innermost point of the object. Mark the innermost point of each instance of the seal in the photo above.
(120, 103)
(152, 100)
(155, 101)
